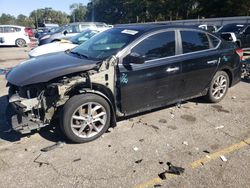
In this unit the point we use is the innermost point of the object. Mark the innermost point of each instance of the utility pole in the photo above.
(93, 11)
(36, 19)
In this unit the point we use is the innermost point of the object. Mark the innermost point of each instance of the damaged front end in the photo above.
(36, 105)
(32, 107)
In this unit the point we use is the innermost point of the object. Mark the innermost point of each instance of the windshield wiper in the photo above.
(78, 54)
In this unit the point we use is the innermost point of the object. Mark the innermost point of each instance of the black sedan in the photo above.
(119, 72)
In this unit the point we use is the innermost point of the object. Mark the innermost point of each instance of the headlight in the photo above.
(45, 37)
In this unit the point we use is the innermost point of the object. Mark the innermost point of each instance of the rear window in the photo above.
(193, 41)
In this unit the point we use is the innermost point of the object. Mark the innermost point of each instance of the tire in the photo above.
(20, 42)
(79, 124)
(218, 87)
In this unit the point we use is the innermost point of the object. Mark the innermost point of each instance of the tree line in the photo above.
(132, 11)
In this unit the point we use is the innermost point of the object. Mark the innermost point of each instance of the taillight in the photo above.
(240, 53)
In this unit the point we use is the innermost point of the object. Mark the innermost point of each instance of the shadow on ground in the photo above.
(246, 80)
(51, 133)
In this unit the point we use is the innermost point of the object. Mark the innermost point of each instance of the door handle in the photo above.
(212, 62)
(172, 69)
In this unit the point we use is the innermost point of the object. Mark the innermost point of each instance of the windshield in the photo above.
(106, 43)
(83, 37)
(231, 28)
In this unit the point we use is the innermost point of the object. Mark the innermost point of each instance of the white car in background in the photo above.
(64, 45)
(12, 35)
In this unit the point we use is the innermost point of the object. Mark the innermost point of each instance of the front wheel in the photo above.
(218, 87)
(85, 118)
(20, 42)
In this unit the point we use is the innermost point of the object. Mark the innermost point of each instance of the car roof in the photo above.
(244, 24)
(76, 23)
(157, 26)
(11, 26)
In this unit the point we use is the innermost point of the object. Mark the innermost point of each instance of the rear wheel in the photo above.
(218, 87)
(20, 42)
(85, 117)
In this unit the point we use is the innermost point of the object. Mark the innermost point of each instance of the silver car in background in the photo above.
(68, 31)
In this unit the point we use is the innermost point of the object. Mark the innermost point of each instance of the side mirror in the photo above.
(65, 32)
(134, 58)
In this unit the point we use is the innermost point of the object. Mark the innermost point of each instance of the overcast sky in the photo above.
(16, 7)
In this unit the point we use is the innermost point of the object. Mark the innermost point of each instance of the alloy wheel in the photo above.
(219, 87)
(88, 120)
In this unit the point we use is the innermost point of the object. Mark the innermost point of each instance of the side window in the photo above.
(11, 29)
(215, 41)
(8, 30)
(84, 26)
(16, 29)
(157, 46)
(193, 41)
(69, 29)
(1, 29)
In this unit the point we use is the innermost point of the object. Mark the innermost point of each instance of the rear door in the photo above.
(200, 59)
(154, 83)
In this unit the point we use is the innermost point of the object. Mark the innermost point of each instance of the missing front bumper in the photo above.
(23, 125)
(20, 123)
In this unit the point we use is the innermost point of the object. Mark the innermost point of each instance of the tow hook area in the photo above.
(24, 125)
(23, 115)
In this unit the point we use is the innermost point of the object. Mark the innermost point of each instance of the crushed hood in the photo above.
(47, 67)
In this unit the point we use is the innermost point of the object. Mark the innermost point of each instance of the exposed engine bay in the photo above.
(36, 105)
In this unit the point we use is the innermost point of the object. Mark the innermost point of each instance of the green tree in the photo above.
(6, 19)
(78, 12)
(48, 15)
(23, 20)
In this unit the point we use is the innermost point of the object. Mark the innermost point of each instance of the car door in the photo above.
(153, 83)
(8, 35)
(200, 59)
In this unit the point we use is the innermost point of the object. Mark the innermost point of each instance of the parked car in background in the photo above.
(13, 35)
(68, 31)
(239, 33)
(120, 72)
(65, 44)
(44, 31)
(211, 28)
(29, 31)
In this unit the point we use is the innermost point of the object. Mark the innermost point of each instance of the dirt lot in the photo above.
(192, 136)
